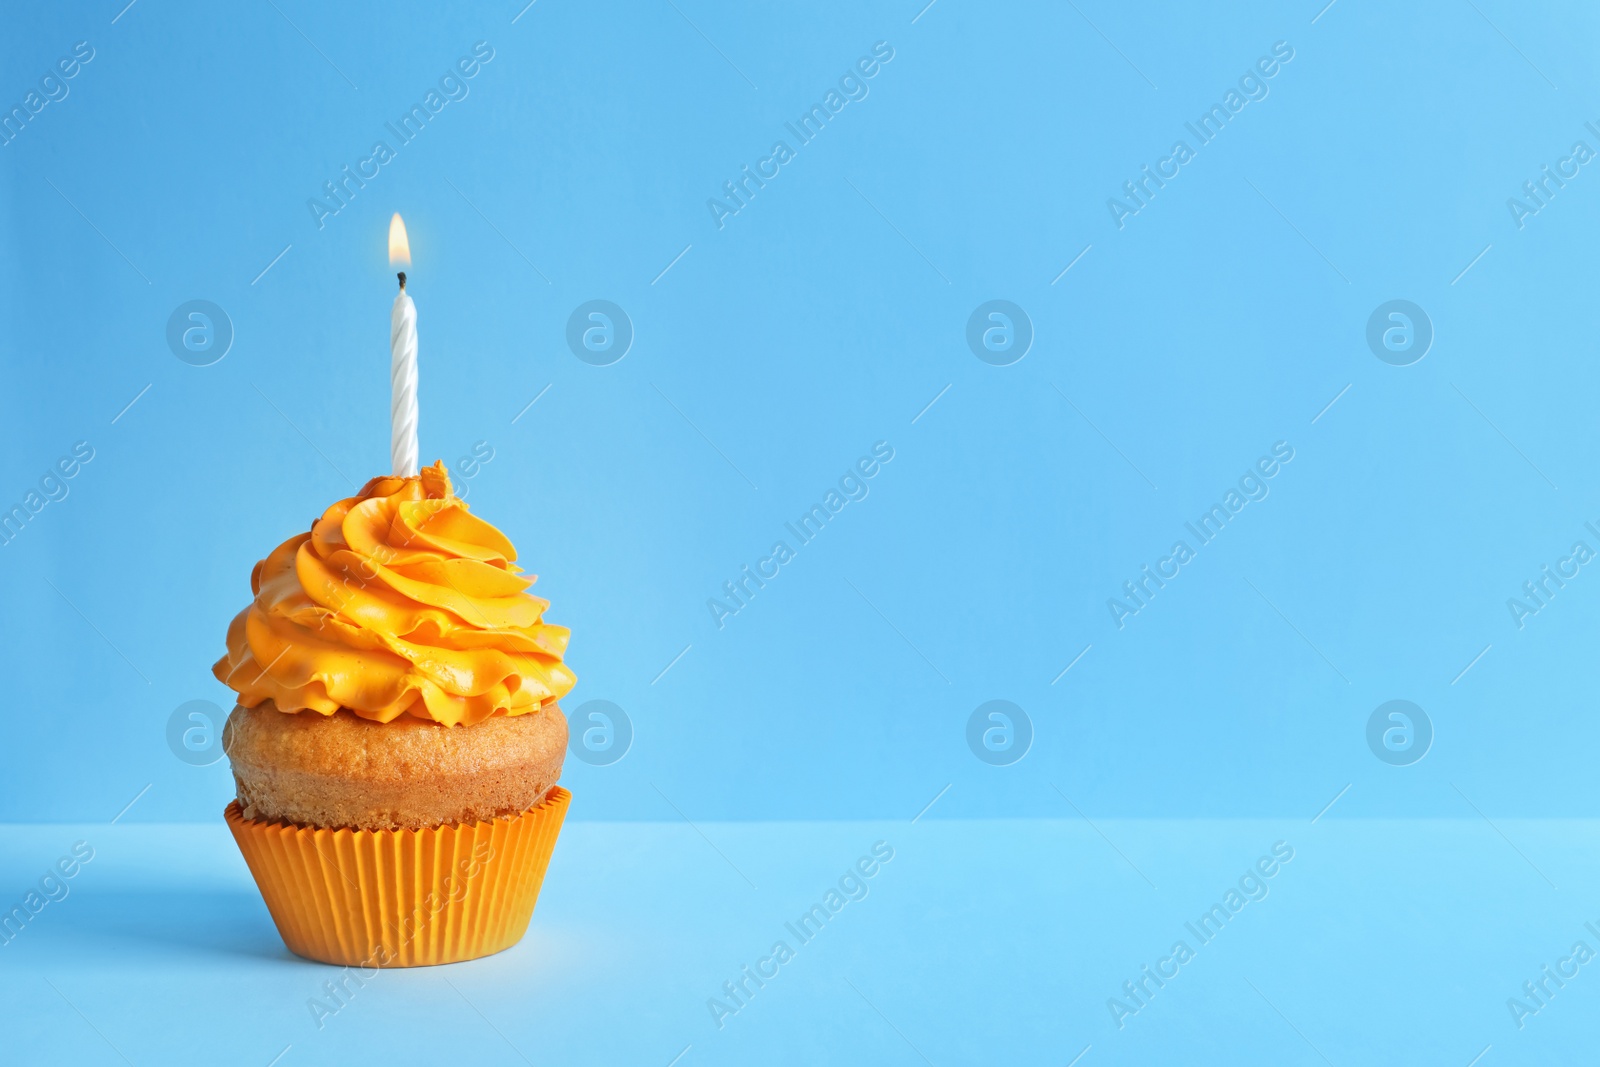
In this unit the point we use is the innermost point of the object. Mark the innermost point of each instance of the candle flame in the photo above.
(399, 245)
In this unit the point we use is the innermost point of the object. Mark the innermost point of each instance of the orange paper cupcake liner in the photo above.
(402, 898)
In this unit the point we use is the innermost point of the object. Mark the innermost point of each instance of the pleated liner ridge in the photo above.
(402, 898)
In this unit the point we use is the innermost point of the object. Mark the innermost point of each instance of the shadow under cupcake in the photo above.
(397, 742)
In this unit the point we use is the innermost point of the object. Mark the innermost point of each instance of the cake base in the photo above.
(410, 774)
(402, 898)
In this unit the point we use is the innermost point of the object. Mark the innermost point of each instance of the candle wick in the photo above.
(402, 276)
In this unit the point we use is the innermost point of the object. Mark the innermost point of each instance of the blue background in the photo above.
(773, 351)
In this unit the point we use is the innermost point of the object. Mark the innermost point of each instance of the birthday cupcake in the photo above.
(397, 741)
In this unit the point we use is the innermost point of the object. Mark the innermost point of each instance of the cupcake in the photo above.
(397, 741)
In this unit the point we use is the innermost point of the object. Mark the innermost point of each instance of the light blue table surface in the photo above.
(981, 941)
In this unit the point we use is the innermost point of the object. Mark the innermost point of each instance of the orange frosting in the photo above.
(398, 602)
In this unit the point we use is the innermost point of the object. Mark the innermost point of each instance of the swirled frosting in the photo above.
(398, 602)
